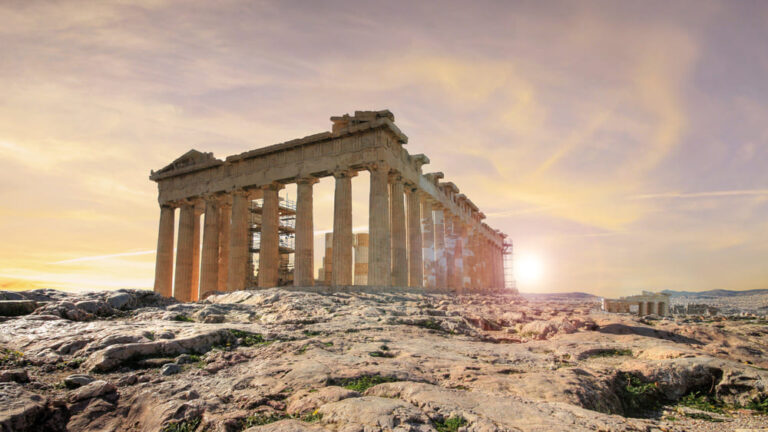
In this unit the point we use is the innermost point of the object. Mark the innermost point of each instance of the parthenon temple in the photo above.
(647, 303)
(422, 233)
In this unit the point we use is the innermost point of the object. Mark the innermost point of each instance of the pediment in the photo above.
(189, 161)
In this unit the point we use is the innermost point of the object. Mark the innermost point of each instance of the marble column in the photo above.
(450, 253)
(225, 214)
(428, 242)
(341, 273)
(182, 290)
(641, 310)
(269, 248)
(397, 219)
(466, 259)
(458, 254)
(379, 252)
(209, 272)
(304, 257)
(361, 259)
(415, 262)
(239, 241)
(195, 291)
(164, 260)
(440, 279)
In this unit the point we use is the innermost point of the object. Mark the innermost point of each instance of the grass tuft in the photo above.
(451, 424)
(183, 426)
(362, 383)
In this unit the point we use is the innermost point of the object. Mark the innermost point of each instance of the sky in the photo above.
(622, 144)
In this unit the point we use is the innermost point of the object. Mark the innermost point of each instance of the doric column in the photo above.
(458, 254)
(269, 248)
(239, 239)
(361, 259)
(379, 255)
(428, 242)
(304, 257)
(164, 260)
(415, 262)
(466, 259)
(225, 214)
(397, 220)
(196, 255)
(641, 308)
(440, 275)
(182, 290)
(209, 273)
(474, 259)
(341, 272)
(450, 252)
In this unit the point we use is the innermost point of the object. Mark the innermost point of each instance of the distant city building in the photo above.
(647, 303)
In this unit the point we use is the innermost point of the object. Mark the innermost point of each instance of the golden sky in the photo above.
(624, 143)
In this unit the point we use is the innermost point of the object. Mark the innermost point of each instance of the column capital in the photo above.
(239, 192)
(377, 166)
(168, 205)
(344, 173)
(395, 177)
(307, 180)
(274, 186)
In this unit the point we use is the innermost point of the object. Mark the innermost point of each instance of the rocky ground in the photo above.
(277, 360)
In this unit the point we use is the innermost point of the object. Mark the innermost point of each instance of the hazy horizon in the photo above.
(623, 145)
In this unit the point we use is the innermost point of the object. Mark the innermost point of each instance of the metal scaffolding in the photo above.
(510, 284)
(287, 238)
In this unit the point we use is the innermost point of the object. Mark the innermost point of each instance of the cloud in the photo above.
(102, 257)
(709, 194)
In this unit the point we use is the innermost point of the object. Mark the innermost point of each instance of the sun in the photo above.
(529, 269)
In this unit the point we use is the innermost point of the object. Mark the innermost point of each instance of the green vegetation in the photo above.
(637, 396)
(759, 404)
(9, 357)
(381, 354)
(703, 402)
(260, 419)
(248, 339)
(362, 383)
(183, 426)
(311, 333)
(182, 318)
(702, 416)
(610, 353)
(450, 424)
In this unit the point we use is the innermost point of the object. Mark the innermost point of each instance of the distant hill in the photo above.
(566, 295)
(715, 293)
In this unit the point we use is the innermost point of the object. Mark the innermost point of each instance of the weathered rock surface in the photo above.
(284, 360)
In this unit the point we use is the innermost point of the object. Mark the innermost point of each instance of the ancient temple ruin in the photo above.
(423, 233)
(647, 303)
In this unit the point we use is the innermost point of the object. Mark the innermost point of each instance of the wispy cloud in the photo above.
(707, 194)
(102, 257)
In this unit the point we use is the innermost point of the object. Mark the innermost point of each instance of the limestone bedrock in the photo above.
(364, 361)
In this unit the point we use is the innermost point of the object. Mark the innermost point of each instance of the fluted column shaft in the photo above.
(466, 259)
(195, 291)
(304, 258)
(209, 273)
(415, 261)
(379, 254)
(428, 242)
(399, 248)
(269, 248)
(341, 271)
(182, 290)
(458, 255)
(450, 253)
(225, 214)
(164, 260)
(440, 274)
(239, 239)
